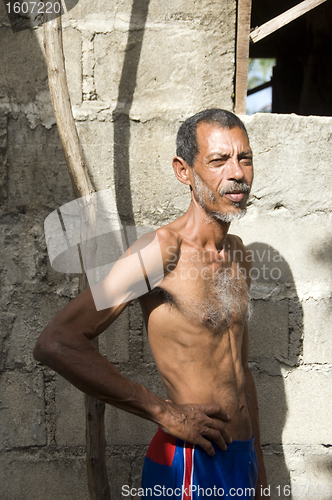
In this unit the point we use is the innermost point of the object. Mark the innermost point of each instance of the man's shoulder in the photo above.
(168, 236)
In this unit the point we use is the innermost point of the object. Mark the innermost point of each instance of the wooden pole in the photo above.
(62, 108)
(95, 429)
(283, 19)
(242, 55)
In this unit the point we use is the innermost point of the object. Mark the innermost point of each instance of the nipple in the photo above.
(206, 318)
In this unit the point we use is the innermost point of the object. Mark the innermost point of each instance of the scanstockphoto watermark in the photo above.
(261, 273)
(27, 14)
(181, 492)
(255, 264)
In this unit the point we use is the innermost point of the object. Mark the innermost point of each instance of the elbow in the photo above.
(46, 347)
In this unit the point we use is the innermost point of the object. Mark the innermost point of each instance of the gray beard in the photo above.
(204, 193)
(228, 218)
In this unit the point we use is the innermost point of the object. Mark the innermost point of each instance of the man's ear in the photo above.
(182, 170)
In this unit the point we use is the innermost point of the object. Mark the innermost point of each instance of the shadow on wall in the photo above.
(34, 180)
(324, 254)
(121, 112)
(275, 336)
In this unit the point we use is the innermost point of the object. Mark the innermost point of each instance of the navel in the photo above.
(206, 318)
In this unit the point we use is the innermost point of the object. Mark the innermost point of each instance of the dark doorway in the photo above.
(302, 76)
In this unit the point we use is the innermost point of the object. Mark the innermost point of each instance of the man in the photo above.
(197, 327)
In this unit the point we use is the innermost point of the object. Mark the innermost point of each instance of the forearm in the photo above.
(65, 347)
(254, 416)
(82, 365)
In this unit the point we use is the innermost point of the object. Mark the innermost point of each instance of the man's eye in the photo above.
(216, 161)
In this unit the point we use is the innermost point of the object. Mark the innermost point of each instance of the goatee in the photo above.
(204, 194)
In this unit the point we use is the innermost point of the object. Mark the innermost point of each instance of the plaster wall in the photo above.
(135, 72)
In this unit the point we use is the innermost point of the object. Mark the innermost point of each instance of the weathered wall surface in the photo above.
(288, 229)
(134, 73)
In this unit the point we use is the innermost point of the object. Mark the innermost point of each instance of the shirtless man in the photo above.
(196, 320)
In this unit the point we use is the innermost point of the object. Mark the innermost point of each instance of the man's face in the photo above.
(223, 171)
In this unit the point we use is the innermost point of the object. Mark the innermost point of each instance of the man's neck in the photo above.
(204, 229)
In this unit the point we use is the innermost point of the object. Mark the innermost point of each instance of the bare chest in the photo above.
(214, 294)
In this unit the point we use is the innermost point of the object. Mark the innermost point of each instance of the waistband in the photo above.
(247, 445)
(235, 445)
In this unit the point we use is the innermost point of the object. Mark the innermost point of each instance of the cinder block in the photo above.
(24, 258)
(26, 477)
(272, 406)
(7, 320)
(22, 410)
(70, 414)
(154, 202)
(276, 470)
(317, 342)
(22, 340)
(135, 316)
(3, 160)
(318, 467)
(119, 473)
(147, 354)
(123, 428)
(309, 468)
(268, 329)
(305, 265)
(295, 329)
(114, 342)
(72, 46)
(295, 407)
(11, 256)
(164, 199)
(148, 376)
(35, 154)
(158, 88)
(3, 16)
(97, 139)
(180, 28)
(35, 311)
(22, 50)
(308, 395)
(136, 350)
(137, 466)
(278, 152)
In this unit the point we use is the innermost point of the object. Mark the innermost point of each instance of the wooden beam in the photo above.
(57, 82)
(283, 19)
(95, 430)
(242, 55)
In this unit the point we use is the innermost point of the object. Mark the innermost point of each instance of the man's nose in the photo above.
(235, 171)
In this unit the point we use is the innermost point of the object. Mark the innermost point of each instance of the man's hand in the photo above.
(197, 424)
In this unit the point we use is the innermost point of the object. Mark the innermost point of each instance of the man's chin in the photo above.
(228, 217)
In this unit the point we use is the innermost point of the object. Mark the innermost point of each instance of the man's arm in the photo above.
(252, 401)
(65, 347)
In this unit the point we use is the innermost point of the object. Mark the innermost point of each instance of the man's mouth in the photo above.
(235, 191)
(235, 197)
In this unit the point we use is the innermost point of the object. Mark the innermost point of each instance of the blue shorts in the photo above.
(177, 470)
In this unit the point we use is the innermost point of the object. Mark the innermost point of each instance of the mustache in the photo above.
(235, 187)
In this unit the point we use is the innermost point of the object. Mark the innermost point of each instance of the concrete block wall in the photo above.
(135, 71)
(288, 230)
